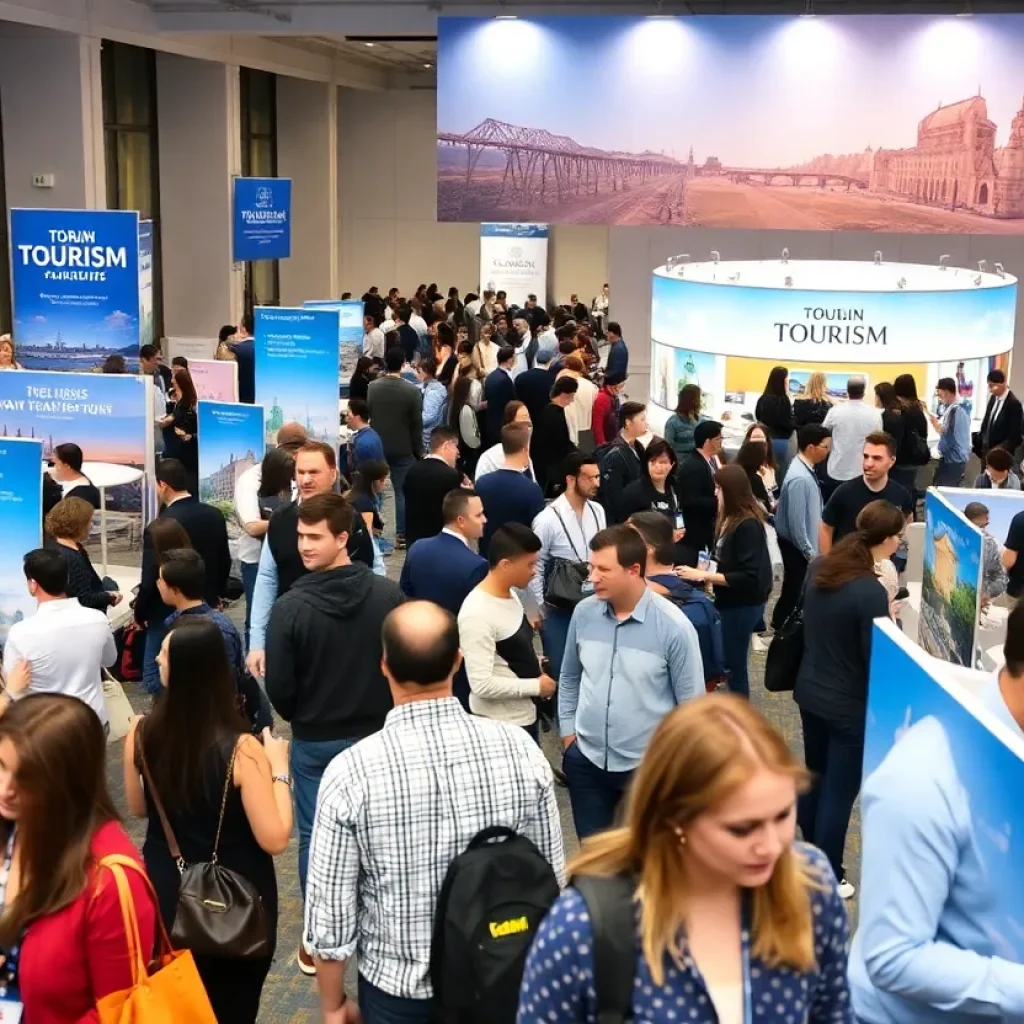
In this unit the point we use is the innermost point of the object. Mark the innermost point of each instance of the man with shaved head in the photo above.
(397, 808)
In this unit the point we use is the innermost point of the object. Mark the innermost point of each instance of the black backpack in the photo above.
(492, 902)
(613, 923)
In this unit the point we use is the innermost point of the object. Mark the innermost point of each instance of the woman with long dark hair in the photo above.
(731, 912)
(753, 457)
(181, 427)
(463, 409)
(368, 481)
(775, 411)
(184, 756)
(903, 417)
(682, 423)
(743, 576)
(654, 491)
(57, 823)
(844, 596)
(359, 382)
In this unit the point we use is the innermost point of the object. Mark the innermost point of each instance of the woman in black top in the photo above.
(813, 404)
(654, 491)
(359, 382)
(367, 482)
(188, 743)
(67, 527)
(181, 427)
(753, 456)
(551, 441)
(743, 576)
(916, 439)
(775, 411)
(844, 596)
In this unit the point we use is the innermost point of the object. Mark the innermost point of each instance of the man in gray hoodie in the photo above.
(798, 516)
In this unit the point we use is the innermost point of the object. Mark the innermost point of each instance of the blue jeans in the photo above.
(949, 474)
(155, 634)
(400, 467)
(554, 629)
(595, 794)
(738, 626)
(308, 761)
(834, 754)
(378, 1007)
(780, 446)
(250, 570)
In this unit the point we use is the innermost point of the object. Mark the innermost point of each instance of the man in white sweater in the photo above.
(496, 638)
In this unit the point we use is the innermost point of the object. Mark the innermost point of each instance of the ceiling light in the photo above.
(428, 65)
(367, 44)
(505, 17)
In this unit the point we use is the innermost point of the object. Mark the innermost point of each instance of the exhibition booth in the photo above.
(724, 324)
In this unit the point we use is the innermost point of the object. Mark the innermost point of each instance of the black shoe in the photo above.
(560, 779)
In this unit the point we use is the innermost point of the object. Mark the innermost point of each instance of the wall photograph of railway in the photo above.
(910, 123)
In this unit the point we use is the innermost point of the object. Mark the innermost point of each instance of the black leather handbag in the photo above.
(219, 912)
(565, 577)
(785, 653)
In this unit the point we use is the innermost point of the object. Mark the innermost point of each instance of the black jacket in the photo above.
(747, 566)
(1007, 430)
(83, 580)
(499, 390)
(87, 492)
(324, 651)
(533, 389)
(549, 445)
(695, 488)
(776, 413)
(426, 485)
(208, 532)
(396, 409)
(620, 466)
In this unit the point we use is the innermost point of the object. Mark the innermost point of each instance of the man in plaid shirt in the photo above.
(394, 811)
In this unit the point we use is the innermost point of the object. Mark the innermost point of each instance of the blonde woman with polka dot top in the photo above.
(736, 922)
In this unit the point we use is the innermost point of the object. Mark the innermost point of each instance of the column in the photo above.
(200, 151)
(307, 152)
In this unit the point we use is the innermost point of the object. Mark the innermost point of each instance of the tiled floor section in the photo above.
(289, 997)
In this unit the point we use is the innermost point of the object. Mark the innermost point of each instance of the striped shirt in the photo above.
(394, 811)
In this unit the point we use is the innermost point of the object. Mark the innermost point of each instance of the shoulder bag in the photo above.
(564, 578)
(219, 912)
(786, 653)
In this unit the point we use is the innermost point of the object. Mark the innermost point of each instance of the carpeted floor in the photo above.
(290, 996)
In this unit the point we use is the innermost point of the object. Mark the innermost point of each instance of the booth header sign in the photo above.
(262, 219)
(75, 287)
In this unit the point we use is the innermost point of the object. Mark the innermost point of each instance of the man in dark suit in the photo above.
(695, 486)
(1003, 425)
(509, 494)
(499, 390)
(444, 569)
(207, 531)
(428, 483)
(533, 386)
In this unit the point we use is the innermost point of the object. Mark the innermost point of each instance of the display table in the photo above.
(104, 475)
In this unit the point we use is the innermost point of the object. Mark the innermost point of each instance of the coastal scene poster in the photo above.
(76, 287)
(903, 123)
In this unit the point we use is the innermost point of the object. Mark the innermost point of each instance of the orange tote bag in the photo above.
(173, 993)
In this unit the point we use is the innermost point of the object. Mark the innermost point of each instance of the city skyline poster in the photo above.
(231, 441)
(902, 123)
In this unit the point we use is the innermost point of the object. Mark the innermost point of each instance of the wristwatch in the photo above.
(285, 778)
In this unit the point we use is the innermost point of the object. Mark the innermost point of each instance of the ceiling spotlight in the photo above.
(999, 270)
(368, 44)
(715, 255)
(785, 255)
(505, 17)
(878, 257)
(943, 260)
(808, 9)
(977, 280)
(983, 265)
(901, 283)
(428, 65)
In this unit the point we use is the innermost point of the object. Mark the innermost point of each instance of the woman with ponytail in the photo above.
(844, 596)
(731, 913)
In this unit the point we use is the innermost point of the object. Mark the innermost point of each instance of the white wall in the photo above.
(307, 152)
(387, 192)
(636, 251)
(200, 139)
(52, 118)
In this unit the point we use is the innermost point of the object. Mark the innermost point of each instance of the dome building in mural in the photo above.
(956, 164)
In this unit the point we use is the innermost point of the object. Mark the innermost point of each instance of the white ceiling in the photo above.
(383, 54)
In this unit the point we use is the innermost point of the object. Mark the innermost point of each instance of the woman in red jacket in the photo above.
(61, 928)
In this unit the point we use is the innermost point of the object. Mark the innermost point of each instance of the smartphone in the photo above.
(704, 560)
(680, 525)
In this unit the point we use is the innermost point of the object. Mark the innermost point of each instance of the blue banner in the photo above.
(350, 335)
(109, 416)
(297, 370)
(146, 332)
(75, 287)
(262, 219)
(230, 442)
(21, 523)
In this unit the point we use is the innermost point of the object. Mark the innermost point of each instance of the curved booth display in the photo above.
(724, 325)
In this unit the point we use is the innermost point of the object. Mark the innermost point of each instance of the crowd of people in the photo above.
(564, 570)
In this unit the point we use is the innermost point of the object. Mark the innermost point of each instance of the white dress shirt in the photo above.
(66, 645)
(247, 510)
(492, 459)
(850, 422)
(571, 541)
(373, 343)
(521, 364)
(419, 325)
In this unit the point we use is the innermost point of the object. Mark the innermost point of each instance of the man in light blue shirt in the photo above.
(925, 952)
(798, 516)
(630, 657)
(955, 436)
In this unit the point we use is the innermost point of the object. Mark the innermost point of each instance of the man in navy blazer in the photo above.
(444, 569)
(499, 390)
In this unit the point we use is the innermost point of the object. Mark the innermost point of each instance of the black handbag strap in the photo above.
(610, 906)
(565, 530)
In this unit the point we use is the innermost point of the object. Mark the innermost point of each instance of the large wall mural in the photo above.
(907, 123)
